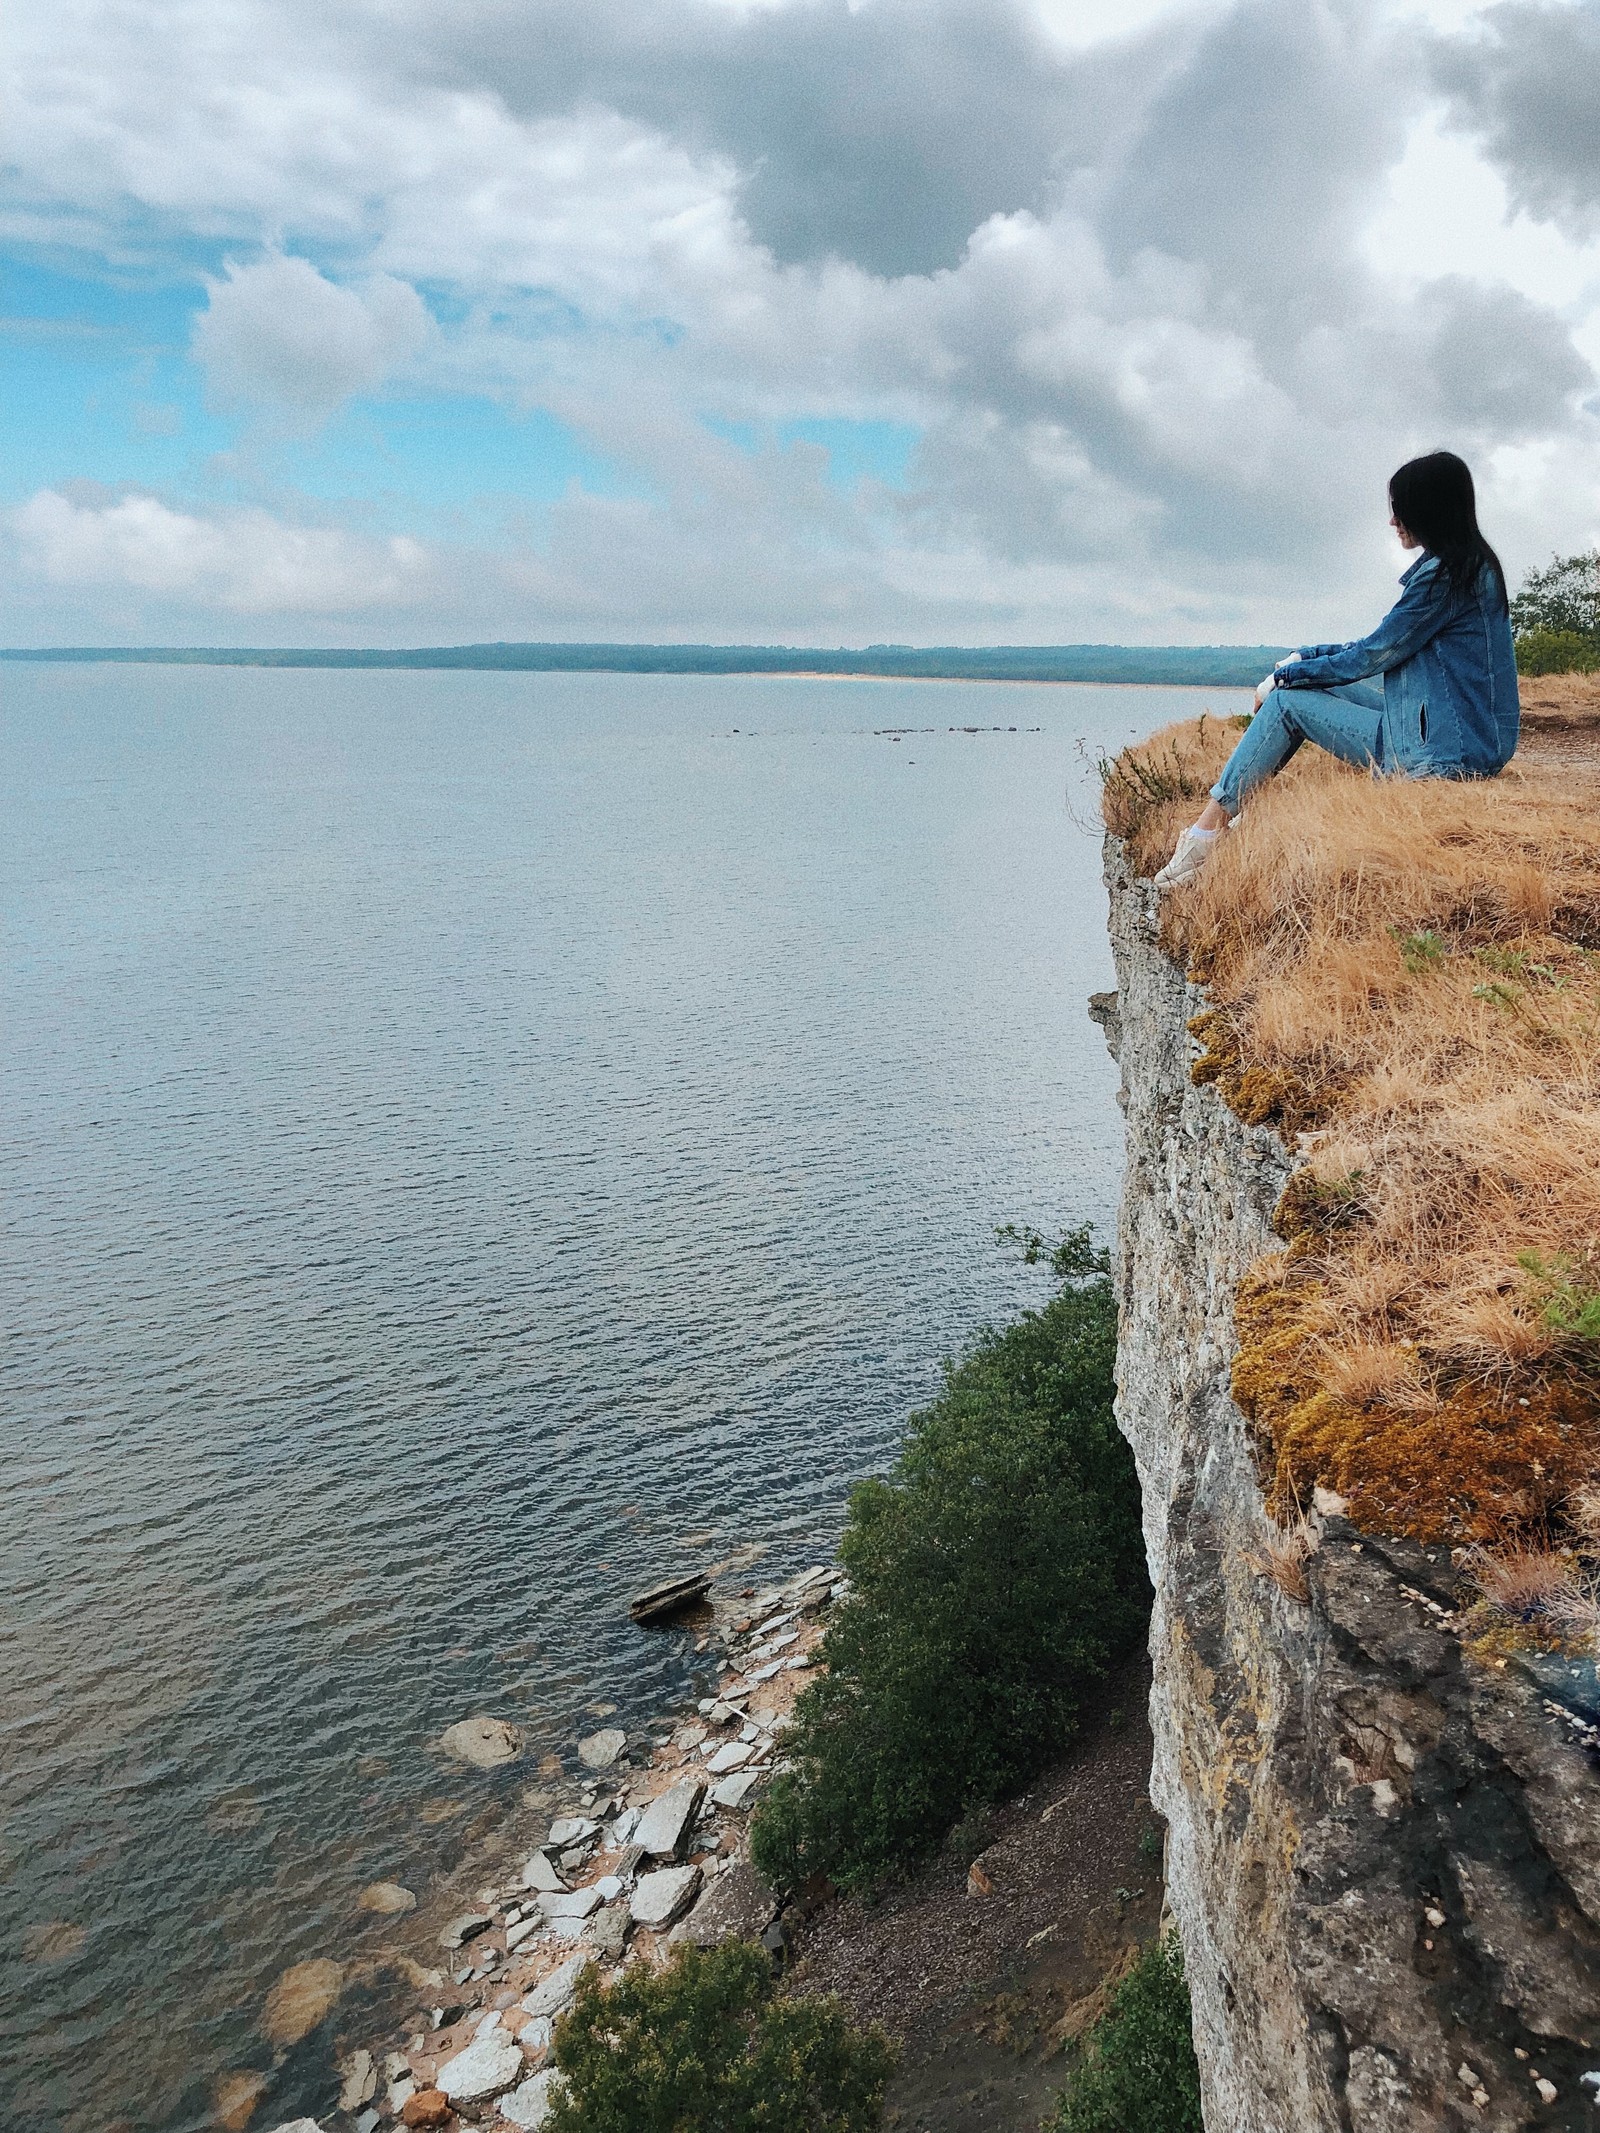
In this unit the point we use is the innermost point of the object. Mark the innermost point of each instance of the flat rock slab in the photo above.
(465, 1927)
(573, 1903)
(658, 1898)
(298, 2125)
(737, 1906)
(733, 1791)
(601, 1749)
(664, 1822)
(489, 2064)
(485, 1743)
(552, 1995)
(662, 1602)
(538, 1873)
(530, 2105)
(731, 1756)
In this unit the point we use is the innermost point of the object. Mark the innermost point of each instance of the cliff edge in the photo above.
(1384, 1834)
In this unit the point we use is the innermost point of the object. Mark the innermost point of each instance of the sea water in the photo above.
(475, 1145)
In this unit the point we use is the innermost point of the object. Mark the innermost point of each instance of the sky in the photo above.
(781, 321)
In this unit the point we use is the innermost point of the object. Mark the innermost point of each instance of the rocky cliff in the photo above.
(1384, 1843)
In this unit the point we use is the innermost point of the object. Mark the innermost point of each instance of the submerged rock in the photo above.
(387, 1898)
(485, 1743)
(300, 1999)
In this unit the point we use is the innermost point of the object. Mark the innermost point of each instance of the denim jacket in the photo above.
(1449, 676)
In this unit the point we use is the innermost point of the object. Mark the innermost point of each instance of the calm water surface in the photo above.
(470, 1138)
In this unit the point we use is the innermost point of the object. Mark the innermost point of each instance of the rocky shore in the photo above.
(649, 1850)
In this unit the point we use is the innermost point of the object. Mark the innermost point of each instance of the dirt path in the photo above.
(983, 1989)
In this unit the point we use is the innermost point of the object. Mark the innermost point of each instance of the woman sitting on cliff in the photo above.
(1432, 693)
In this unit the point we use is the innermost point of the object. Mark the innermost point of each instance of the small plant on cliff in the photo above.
(995, 1575)
(704, 2044)
(1136, 2070)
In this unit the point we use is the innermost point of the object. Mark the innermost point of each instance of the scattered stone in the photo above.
(368, 2122)
(300, 1999)
(978, 1881)
(570, 1829)
(429, 2107)
(608, 1932)
(663, 1824)
(734, 1791)
(601, 1749)
(609, 1887)
(1548, 2092)
(567, 1928)
(298, 2125)
(722, 1714)
(537, 2033)
(1468, 2077)
(625, 1825)
(387, 1898)
(1434, 1918)
(465, 1927)
(732, 1755)
(488, 2065)
(765, 1673)
(572, 1903)
(552, 1995)
(524, 1930)
(689, 1736)
(360, 2081)
(737, 1906)
(235, 2097)
(530, 2105)
(664, 1601)
(659, 1898)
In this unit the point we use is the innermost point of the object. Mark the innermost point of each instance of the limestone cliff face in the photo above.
(1338, 1776)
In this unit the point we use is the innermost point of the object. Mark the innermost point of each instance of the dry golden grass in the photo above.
(1405, 978)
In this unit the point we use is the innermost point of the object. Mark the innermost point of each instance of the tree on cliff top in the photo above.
(1556, 616)
(996, 1573)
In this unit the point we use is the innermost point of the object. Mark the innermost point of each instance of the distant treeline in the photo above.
(1209, 665)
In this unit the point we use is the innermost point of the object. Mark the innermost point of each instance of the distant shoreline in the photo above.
(1171, 665)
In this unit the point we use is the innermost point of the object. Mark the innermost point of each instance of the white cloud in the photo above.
(1167, 293)
(279, 332)
(246, 562)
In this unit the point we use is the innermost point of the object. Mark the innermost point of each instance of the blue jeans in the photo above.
(1346, 721)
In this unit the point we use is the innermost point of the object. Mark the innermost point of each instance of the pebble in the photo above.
(1434, 1918)
(1548, 2092)
(485, 1743)
(488, 2065)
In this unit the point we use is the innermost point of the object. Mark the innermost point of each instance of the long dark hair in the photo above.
(1433, 498)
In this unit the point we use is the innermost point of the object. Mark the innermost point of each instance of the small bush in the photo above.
(1557, 652)
(704, 2047)
(995, 1575)
(1136, 2071)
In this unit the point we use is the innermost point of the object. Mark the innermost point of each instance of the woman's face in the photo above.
(1403, 534)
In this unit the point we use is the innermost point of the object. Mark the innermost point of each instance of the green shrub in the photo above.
(995, 1575)
(1562, 600)
(1136, 2071)
(1557, 652)
(703, 2046)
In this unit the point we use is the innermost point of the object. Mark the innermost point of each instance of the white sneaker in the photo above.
(1194, 848)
